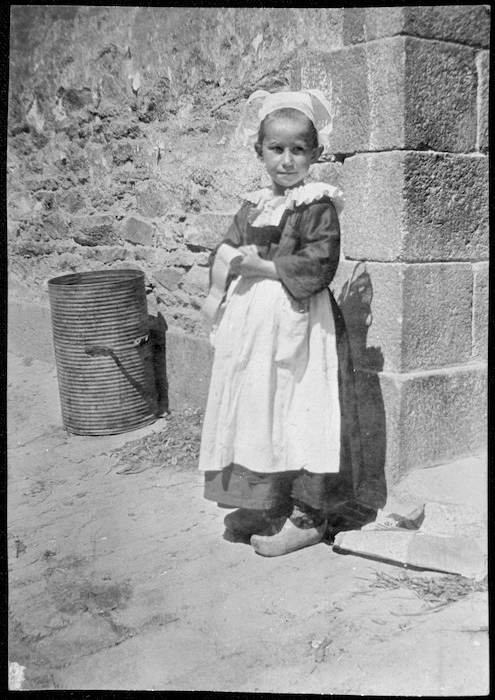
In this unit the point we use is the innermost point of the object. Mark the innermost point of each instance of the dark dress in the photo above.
(304, 247)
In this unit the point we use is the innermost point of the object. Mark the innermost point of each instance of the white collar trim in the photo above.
(304, 194)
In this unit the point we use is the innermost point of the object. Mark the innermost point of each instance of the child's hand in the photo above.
(235, 265)
(247, 249)
(252, 265)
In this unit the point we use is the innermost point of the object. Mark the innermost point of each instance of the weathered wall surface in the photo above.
(122, 152)
(120, 130)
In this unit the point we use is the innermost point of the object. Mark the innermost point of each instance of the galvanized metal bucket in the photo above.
(103, 352)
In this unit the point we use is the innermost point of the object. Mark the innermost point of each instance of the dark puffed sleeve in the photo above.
(311, 265)
(236, 233)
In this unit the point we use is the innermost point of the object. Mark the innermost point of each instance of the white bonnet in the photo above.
(312, 103)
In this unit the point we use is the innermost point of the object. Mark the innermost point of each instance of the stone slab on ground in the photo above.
(460, 481)
(455, 555)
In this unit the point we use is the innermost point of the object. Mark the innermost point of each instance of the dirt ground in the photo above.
(124, 581)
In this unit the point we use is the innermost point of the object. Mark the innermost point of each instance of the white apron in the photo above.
(273, 403)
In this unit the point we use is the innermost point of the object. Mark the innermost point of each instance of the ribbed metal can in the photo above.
(103, 351)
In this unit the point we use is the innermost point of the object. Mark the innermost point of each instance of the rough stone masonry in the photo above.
(123, 152)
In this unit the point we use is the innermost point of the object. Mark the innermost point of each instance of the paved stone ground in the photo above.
(125, 581)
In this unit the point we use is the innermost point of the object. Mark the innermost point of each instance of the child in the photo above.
(276, 428)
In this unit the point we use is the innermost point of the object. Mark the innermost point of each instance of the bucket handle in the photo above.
(104, 350)
(98, 350)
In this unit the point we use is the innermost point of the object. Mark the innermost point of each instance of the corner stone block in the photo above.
(402, 318)
(415, 207)
(480, 311)
(447, 207)
(433, 418)
(370, 298)
(398, 93)
(342, 77)
(364, 85)
(436, 322)
(464, 24)
(372, 221)
(440, 93)
(483, 66)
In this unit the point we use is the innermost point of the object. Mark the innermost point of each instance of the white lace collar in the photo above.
(304, 194)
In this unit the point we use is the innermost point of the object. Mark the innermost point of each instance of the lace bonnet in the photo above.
(312, 103)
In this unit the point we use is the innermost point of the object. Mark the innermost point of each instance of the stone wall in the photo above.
(416, 183)
(121, 126)
(122, 152)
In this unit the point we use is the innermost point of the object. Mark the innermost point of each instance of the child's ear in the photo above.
(258, 149)
(316, 154)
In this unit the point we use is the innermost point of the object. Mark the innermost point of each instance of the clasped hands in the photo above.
(251, 265)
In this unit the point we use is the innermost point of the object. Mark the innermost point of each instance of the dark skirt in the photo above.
(235, 486)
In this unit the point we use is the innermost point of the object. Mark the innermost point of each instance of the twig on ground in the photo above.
(445, 588)
(176, 445)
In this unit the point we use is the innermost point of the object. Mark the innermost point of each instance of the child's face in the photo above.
(286, 153)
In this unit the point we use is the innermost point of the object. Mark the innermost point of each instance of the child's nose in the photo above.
(287, 158)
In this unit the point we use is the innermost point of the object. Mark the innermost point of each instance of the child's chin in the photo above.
(288, 185)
